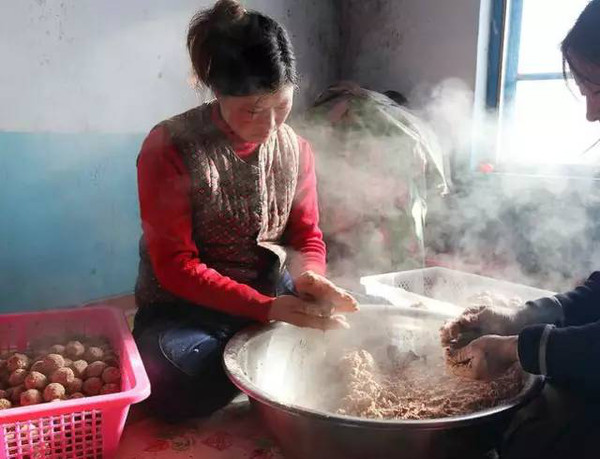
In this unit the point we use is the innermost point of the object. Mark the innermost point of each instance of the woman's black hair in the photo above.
(583, 41)
(236, 52)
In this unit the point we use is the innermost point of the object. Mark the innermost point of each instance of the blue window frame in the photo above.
(541, 118)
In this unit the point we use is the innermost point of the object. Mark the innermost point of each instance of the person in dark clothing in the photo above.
(559, 336)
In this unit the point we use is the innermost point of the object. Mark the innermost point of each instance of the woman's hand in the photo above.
(479, 321)
(315, 288)
(296, 311)
(485, 358)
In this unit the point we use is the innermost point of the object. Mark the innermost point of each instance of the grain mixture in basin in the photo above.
(417, 388)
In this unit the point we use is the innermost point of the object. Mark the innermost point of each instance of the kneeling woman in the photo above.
(226, 191)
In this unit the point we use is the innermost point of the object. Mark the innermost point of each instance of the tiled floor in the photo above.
(232, 433)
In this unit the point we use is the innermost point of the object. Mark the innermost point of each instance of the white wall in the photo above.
(401, 44)
(121, 66)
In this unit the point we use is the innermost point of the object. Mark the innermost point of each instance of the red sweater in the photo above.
(164, 187)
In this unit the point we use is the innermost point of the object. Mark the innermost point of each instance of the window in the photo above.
(541, 118)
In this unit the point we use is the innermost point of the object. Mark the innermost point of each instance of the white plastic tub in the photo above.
(443, 290)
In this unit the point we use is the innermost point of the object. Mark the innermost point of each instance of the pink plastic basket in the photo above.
(81, 428)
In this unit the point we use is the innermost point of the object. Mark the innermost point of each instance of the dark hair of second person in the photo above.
(581, 56)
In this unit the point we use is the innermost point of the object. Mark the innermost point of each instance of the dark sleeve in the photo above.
(571, 354)
(578, 307)
(582, 305)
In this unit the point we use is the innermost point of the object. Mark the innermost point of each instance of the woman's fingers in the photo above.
(316, 309)
(472, 310)
(319, 289)
(341, 319)
(320, 323)
(463, 329)
(451, 331)
(343, 301)
(462, 362)
(463, 371)
(463, 339)
(296, 311)
(485, 358)
(458, 357)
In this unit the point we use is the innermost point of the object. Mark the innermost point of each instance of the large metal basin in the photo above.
(288, 374)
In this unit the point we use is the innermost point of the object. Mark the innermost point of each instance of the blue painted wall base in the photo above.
(69, 218)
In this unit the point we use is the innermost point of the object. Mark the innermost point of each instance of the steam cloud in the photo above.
(535, 230)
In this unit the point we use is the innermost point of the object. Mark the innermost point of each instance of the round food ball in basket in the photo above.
(53, 362)
(92, 386)
(5, 404)
(79, 367)
(74, 386)
(111, 375)
(31, 397)
(17, 377)
(54, 391)
(93, 354)
(36, 380)
(75, 350)
(95, 369)
(63, 376)
(17, 362)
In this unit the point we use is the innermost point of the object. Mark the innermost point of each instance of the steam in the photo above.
(533, 230)
(374, 162)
